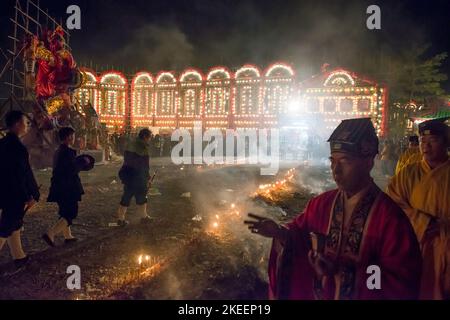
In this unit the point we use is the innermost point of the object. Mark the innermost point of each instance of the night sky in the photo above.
(173, 34)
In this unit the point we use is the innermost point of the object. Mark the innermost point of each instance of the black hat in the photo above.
(413, 138)
(85, 162)
(355, 136)
(435, 127)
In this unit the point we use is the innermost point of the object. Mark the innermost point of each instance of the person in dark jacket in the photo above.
(66, 188)
(135, 176)
(18, 188)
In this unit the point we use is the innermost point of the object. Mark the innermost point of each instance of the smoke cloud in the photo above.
(159, 47)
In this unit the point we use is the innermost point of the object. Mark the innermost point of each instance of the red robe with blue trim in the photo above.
(379, 234)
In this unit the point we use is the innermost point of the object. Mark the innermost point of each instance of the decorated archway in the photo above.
(218, 98)
(112, 103)
(248, 98)
(88, 92)
(191, 98)
(166, 100)
(142, 100)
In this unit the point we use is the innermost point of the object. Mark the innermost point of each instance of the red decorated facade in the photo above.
(225, 99)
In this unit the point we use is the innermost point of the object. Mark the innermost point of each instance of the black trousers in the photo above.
(11, 218)
(68, 209)
(137, 191)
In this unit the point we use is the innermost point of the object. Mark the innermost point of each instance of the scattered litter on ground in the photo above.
(103, 189)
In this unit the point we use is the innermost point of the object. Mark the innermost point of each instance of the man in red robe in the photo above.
(350, 243)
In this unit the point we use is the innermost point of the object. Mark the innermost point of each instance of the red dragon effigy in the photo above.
(57, 73)
(51, 76)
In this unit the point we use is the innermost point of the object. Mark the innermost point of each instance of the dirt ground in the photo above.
(196, 246)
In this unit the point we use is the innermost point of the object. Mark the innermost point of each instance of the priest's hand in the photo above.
(265, 227)
(321, 265)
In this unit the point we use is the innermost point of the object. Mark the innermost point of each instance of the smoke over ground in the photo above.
(227, 202)
(224, 196)
(316, 183)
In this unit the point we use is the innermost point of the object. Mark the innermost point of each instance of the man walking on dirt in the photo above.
(135, 176)
(18, 188)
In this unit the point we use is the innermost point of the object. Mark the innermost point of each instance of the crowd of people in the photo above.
(395, 153)
(159, 145)
(326, 252)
